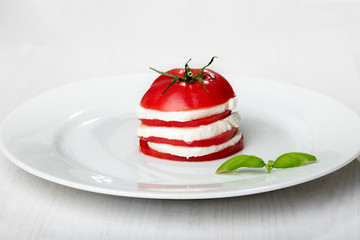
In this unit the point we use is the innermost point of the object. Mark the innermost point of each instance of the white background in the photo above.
(313, 44)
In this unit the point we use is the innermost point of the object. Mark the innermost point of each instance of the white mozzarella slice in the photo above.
(184, 116)
(194, 151)
(191, 134)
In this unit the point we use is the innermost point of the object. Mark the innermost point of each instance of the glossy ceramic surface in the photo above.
(83, 135)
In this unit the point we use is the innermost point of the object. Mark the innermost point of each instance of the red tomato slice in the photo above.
(219, 139)
(144, 147)
(193, 123)
(183, 96)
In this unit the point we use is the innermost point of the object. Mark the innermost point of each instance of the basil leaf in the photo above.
(293, 159)
(241, 161)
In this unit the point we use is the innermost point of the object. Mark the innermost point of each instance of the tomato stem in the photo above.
(188, 76)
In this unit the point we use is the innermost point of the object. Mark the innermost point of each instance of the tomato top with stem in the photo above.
(183, 89)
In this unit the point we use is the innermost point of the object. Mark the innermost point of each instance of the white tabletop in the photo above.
(45, 44)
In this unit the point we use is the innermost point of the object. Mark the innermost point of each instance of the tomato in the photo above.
(219, 139)
(192, 123)
(183, 96)
(144, 148)
(185, 89)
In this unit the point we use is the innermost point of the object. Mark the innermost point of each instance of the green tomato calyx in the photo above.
(188, 76)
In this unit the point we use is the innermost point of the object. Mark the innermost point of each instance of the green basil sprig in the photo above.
(287, 160)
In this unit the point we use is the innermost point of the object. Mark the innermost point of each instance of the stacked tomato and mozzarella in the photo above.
(190, 121)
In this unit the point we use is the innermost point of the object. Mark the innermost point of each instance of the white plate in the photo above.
(83, 135)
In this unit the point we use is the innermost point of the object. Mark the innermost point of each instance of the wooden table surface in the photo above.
(312, 44)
